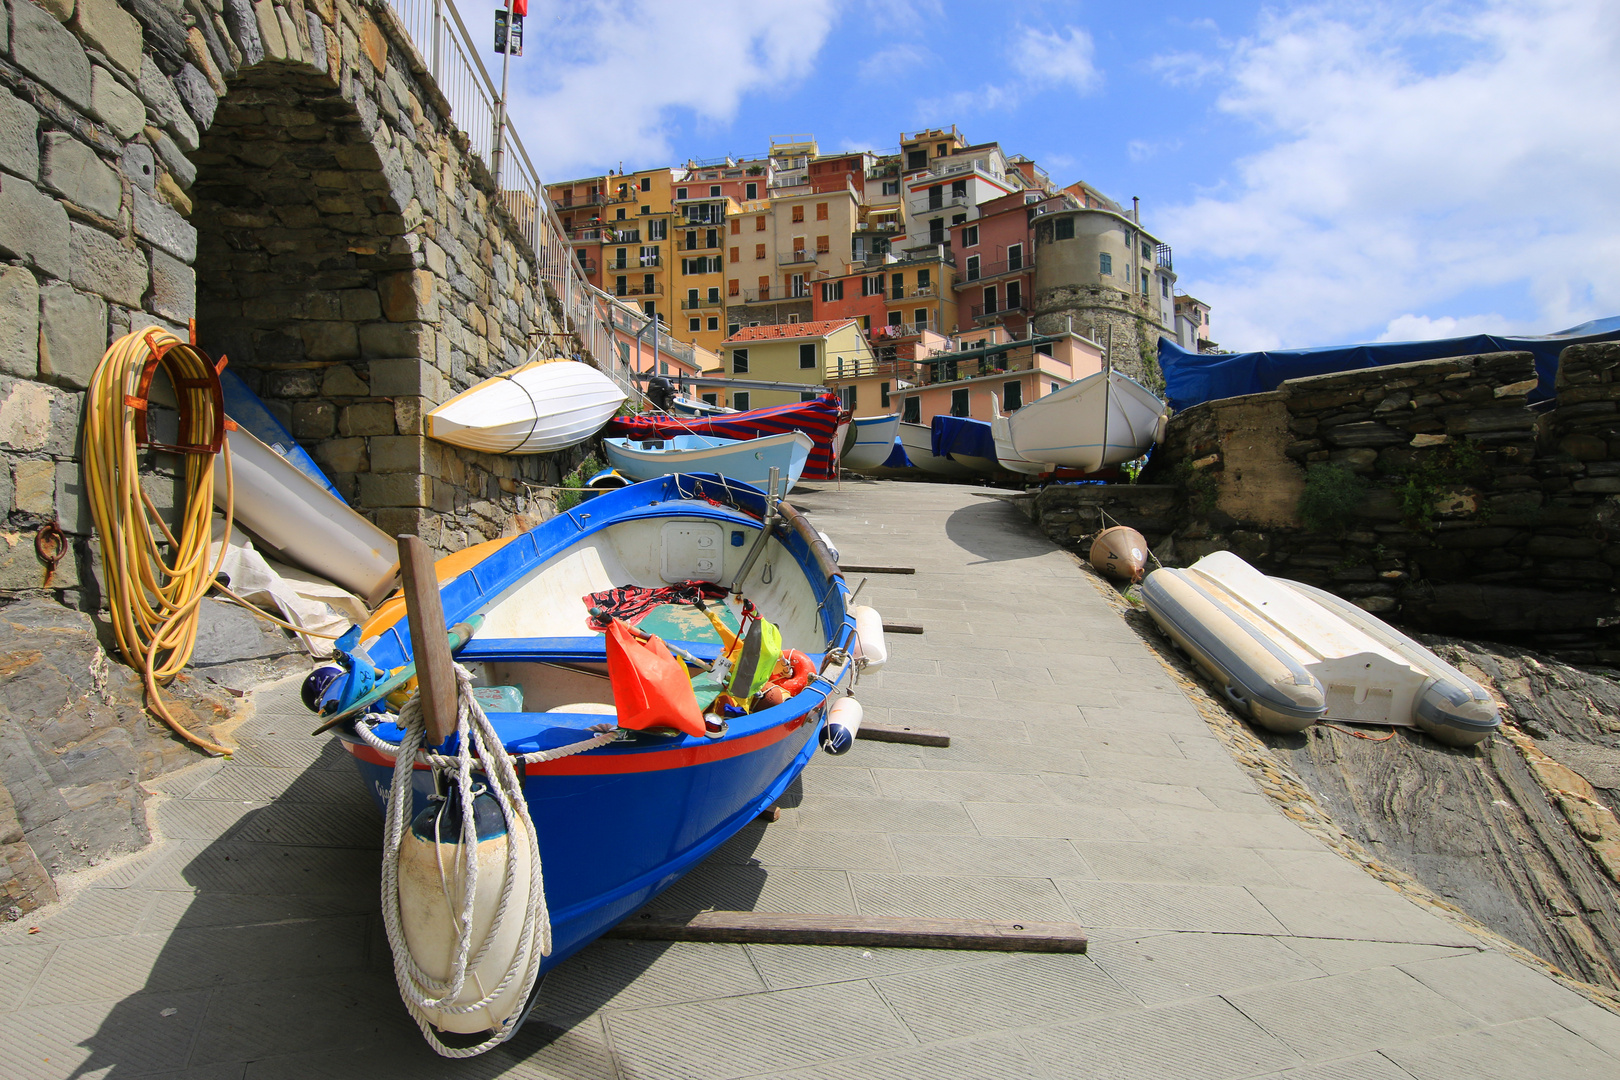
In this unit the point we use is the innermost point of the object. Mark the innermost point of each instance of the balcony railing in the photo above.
(988, 271)
(690, 304)
(868, 367)
(790, 178)
(879, 226)
(587, 267)
(793, 258)
(640, 289)
(569, 200)
(923, 206)
(701, 215)
(682, 245)
(1162, 253)
(894, 331)
(634, 262)
(983, 311)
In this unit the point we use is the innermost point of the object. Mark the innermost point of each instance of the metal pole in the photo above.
(500, 104)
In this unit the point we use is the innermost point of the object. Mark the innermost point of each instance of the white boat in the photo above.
(874, 442)
(1290, 655)
(542, 406)
(304, 523)
(918, 441)
(1007, 457)
(1104, 419)
(748, 460)
(685, 406)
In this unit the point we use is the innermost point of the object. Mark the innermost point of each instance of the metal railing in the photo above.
(690, 304)
(1016, 307)
(986, 270)
(446, 51)
(641, 289)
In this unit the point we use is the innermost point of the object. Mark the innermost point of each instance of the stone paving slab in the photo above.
(1080, 784)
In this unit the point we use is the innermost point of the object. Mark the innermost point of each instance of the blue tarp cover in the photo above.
(961, 435)
(1193, 378)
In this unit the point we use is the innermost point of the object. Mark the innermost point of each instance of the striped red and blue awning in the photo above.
(818, 419)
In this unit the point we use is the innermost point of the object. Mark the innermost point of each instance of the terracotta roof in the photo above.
(788, 331)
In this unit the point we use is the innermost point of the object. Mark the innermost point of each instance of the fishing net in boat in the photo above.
(632, 603)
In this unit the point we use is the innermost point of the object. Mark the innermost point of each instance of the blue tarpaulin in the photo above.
(961, 435)
(1193, 378)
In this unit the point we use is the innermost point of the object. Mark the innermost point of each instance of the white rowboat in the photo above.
(747, 460)
(918, 440)
(542, 406)
(1104, 419)
(874, 442)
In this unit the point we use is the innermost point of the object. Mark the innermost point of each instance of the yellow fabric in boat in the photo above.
(391, 610)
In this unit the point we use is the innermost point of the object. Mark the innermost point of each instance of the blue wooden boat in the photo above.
(747, 460)
(619, 823)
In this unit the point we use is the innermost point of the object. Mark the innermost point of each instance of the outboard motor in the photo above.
(661, 392)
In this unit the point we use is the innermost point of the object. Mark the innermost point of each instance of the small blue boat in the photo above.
(619, 823)
(747, 460)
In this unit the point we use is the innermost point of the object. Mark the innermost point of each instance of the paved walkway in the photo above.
(1080, 784)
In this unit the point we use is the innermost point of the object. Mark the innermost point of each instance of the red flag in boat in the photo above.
(650, 687)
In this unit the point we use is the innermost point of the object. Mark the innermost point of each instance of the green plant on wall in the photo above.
(1332, 494)
(571, 496)
(1198, 488)
(1147, 348)
(1436, 472)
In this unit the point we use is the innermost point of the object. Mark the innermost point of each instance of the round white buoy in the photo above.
(843, 722)
(871, 651)
(432, 893)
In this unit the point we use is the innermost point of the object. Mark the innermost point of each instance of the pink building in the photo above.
(995, 261)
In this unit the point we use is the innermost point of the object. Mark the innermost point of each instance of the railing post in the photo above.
(438, 22)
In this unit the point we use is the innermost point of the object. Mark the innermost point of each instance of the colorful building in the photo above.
(802, 353)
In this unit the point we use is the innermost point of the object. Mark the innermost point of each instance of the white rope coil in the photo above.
(476, 737)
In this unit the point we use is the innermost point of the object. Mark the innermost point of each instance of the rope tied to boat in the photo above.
(476, 738)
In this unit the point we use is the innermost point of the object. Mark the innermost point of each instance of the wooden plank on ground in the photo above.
(902, 627)
(766, 928)
(896, 733)
(852, 568)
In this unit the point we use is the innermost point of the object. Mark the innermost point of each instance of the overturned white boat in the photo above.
(1104, 419)
(542, 406)
(874, 442)
(1006, 456)
(1290, 655)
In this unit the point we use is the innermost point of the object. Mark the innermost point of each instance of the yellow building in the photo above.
(803, 352)
(698, 270)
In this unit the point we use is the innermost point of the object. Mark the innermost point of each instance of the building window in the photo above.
(849, 395)
(883, 395)
(807, 355)
(936, 231)
(736, 226)
(821, 211)
(911, 410)
(620, 215)
(736, 254)
(831, 290)
(801, 291)
(959, 402)
(650, 309)
(1164, 287)
(759, 251)
(891, 187)
(823, 245)
(646, 183)
(958, 189)
(739, 361)
(1147, 252)
(866, 323)
(680, 193)
(693, 324)
(658, 230)
(714, 294)
(1015, 257)
(711, 399)
(711, 238)
(793, 318)
(897, 286)
(643, 209)
(798, 213)
(1044, 348)
(970, 236)
(714, 322)
(663, 368)
(733, 287)
(924, 279)
(759, 223)
(1015, 295)
(739, 400)
(621, 286)
(920, 316)
(870, 286)
(764, 288)
(752, 191)
(1105, 264)
(714, 191)
(732, 328)
(973, 268)
(1144, 283)
(989, 299)
(896, 318)
(1063, 229)
(1012, 395)
(917, 159)
(936, 197)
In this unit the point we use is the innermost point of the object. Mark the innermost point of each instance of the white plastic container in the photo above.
(871, 651)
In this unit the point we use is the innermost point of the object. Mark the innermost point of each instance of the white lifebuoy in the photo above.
(871, 651)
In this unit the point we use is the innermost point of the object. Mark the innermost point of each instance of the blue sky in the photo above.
(1325, 172)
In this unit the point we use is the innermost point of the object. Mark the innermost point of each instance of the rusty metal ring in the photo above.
(50, 545)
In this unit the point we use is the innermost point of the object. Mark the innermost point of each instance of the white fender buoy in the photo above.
(871, 651)
(432, 891)
(843, 722)
(832, 549)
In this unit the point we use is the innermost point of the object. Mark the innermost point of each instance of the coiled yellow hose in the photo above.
(153, 603)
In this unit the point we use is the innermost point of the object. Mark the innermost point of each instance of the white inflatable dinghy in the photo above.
(1290, 655)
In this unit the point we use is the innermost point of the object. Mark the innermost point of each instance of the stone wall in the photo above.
(1470, 513)
(285, 173)
(1095, 310)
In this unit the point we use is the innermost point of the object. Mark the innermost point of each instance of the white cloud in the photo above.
(1040, 61)
(1423, 328)
(601, 78)
(1421, 157)
(899, 61)
(1141, 150)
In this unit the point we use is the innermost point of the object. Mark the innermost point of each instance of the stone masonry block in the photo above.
(164, 226)
(140, 164)
(112, 30)
(360, 305)
(395, 489)
(34, 487)
(72, 500)
(408, 413)
(397, 453)
(180, 166)
(33, 226)
(106, 266)
(19, 137)
(21, 569)
(197, 95)
(395, 339)
(159, 94)
(78, 174)
(118, 108)
(367, 418)
(73, 335)
(330, 340)
(408, 296)
(49, 52)
(25, 417)
(343, 455)
(408, 377)
(19, 322)
(314, 419)
(174, 288)
(342, 381)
